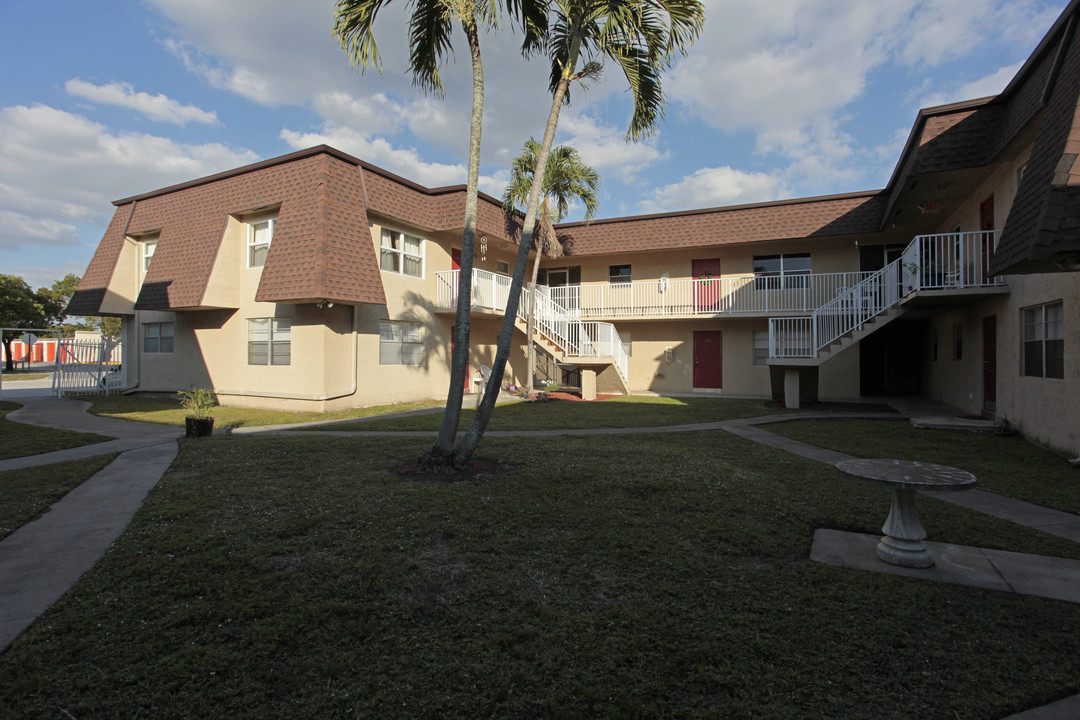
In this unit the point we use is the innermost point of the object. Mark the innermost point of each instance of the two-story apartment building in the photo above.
(316, 280)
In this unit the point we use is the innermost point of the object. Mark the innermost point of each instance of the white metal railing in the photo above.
(703, 296)
(930, 262)
(489, 290)
(792, 337)
(664, 297)
(88, 366)
(950, 260)
(553, 318)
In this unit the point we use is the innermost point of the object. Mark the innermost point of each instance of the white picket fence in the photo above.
(85, 367)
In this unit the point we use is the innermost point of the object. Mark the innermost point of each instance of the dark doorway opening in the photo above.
(890, 360)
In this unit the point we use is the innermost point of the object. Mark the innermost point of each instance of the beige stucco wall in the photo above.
(1002, 184)
(826, 255)
(334, 353)
(125, 281)
(1045, 409)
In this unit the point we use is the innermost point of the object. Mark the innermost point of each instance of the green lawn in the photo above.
(621, 412)
(19, 440)
(26, 493)
(167, 411)
(622, 576)
(25, 375)
(1005, 465)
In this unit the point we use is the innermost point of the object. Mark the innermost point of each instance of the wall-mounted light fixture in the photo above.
(669, 355)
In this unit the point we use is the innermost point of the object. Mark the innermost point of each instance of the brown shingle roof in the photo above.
(88, 298)
(322, 247)
(784, 219)
(1042, 232)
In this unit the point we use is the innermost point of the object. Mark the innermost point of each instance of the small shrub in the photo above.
(197, 402)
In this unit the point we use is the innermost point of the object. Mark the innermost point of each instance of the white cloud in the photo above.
(22, 230)
(276, 52)
(780, 65)
(378, 151)
(39, 276)
(712, 187)
(58, 168)
(375, 114)
(942, 30)
(604, 147)
(156, 107)
(991, 84)
(280, 52)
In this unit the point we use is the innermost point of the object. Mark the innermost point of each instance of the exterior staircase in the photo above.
(577, 342)
(940, 263)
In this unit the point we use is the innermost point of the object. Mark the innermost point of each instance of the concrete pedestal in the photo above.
(588, 384)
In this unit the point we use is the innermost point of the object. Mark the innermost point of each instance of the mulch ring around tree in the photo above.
(477, 468)
(559, 395)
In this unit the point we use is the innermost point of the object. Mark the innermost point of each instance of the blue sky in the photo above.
(788, 98)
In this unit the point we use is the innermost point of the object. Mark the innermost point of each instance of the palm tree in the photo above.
(566, 178)
(430, 29)
(642, 37)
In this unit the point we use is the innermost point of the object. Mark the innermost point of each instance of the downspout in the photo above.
(314, 398)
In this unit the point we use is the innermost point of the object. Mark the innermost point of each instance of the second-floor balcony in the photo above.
(945, 263)
(664, 297)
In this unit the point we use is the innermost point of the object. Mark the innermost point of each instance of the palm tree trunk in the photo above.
(441, 452)
(531, 316)
(468, 444)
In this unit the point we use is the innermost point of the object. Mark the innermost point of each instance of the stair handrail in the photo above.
(572, 336)
(853, 308)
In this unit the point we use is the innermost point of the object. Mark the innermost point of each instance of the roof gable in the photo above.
(1042, 232)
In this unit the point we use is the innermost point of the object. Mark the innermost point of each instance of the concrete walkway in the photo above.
(41, 560)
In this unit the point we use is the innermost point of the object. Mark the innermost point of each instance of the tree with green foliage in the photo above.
(642, 38)
(430, 29)
(21, 307)
(567, 178)
(61, 292)
(109, 326)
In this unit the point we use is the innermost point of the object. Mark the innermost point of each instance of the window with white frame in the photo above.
(148, 249)
(761, 348)
(260, 234)
(1044, 340)
(401, 253)
(269, 341)
(158, 337)
(780, 272)
(400, 343)
(502, 267)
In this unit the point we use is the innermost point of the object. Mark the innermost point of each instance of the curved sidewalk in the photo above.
(42, 559)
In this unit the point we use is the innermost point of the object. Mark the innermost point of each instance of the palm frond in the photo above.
(532, 15)
(643, 77)
(430, 29)
(354, 23)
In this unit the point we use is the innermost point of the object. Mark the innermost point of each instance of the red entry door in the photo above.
(455, 259)
(990, 363)
(986, 224)
(706, 284)
(708, 359)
